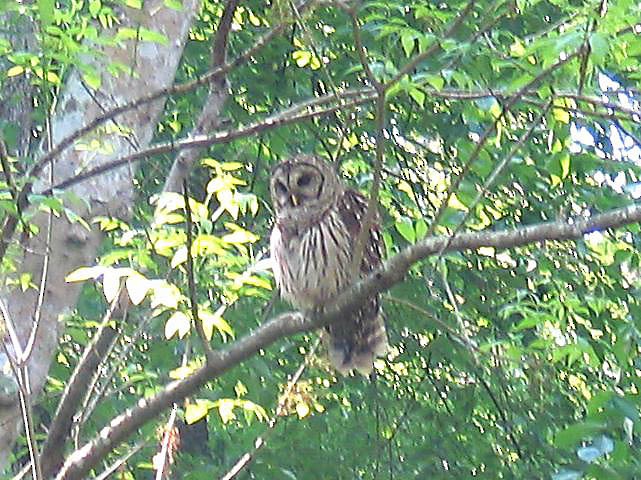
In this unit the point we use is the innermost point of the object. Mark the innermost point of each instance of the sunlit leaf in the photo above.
(226, 409)
(178, 324)
(137, 287)
(196, 411)
(85, 273)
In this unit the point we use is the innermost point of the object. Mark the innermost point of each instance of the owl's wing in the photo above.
(352, 209)
(355, 342)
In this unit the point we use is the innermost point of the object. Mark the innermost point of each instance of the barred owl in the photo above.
(317, 223)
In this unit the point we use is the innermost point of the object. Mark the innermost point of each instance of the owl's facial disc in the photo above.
(305, 185)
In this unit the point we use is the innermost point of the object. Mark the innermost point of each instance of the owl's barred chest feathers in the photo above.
(313, 260)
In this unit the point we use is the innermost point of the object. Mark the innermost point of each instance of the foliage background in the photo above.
(519, 363)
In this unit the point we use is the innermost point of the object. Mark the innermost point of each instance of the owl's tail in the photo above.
(356, 348)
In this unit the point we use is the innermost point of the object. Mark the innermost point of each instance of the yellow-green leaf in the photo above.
(240, 389)
(562, 116)
(111, 283)
(517, 49)
(15, 71)
(230, 166)
(302, 57)
(25, 281)
(164, 294)
(179, 257)
(302, 410)
(215, 320)
(84, 273)
(179, 324)
(137, 287)
(240, 236)
(207, 245)
(196, 411)
(169, 201)
(256, 409)
(226, 409)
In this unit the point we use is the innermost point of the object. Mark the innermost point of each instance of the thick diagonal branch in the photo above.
(392, 272)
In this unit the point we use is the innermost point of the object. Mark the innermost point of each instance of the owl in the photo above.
(317, 223)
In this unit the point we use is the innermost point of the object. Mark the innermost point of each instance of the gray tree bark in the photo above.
(69, 245)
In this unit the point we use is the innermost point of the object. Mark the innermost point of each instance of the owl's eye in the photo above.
(280, 188)
(304, 180)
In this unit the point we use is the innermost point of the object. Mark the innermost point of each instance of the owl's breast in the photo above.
(311, 265)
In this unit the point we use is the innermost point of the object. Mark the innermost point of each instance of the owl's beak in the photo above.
(295, 200)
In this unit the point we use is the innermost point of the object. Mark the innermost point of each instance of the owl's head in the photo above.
(302, 186)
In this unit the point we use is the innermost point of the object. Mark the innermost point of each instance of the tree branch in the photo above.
(209, 118)
(300, 113)
(393, 271)
(22, 201)
(76, 389)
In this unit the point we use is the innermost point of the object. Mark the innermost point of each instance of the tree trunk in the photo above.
(153, 66)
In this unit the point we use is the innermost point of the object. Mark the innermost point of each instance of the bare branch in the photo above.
(392, 272)
(191, 281)
(76, 389)
(209, 118)
(301, 113)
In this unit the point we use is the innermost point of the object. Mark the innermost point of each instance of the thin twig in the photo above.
(209, 117)
(496, 172)
(191, 277)
(372, 203)
(164, 449)
(114, 467)
(476, 361)
(248, 458)
(490, 130)
(412, 64)
(76, 389)
(465, 341)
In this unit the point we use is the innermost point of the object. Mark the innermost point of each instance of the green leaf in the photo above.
(174, 5)
(599, 47)
(46, 10)
(94, 7)
(564, 160)
(405, 227)
(408, 42)
(574, 434)
(91, 78)
(418, 96)
(152, 36)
